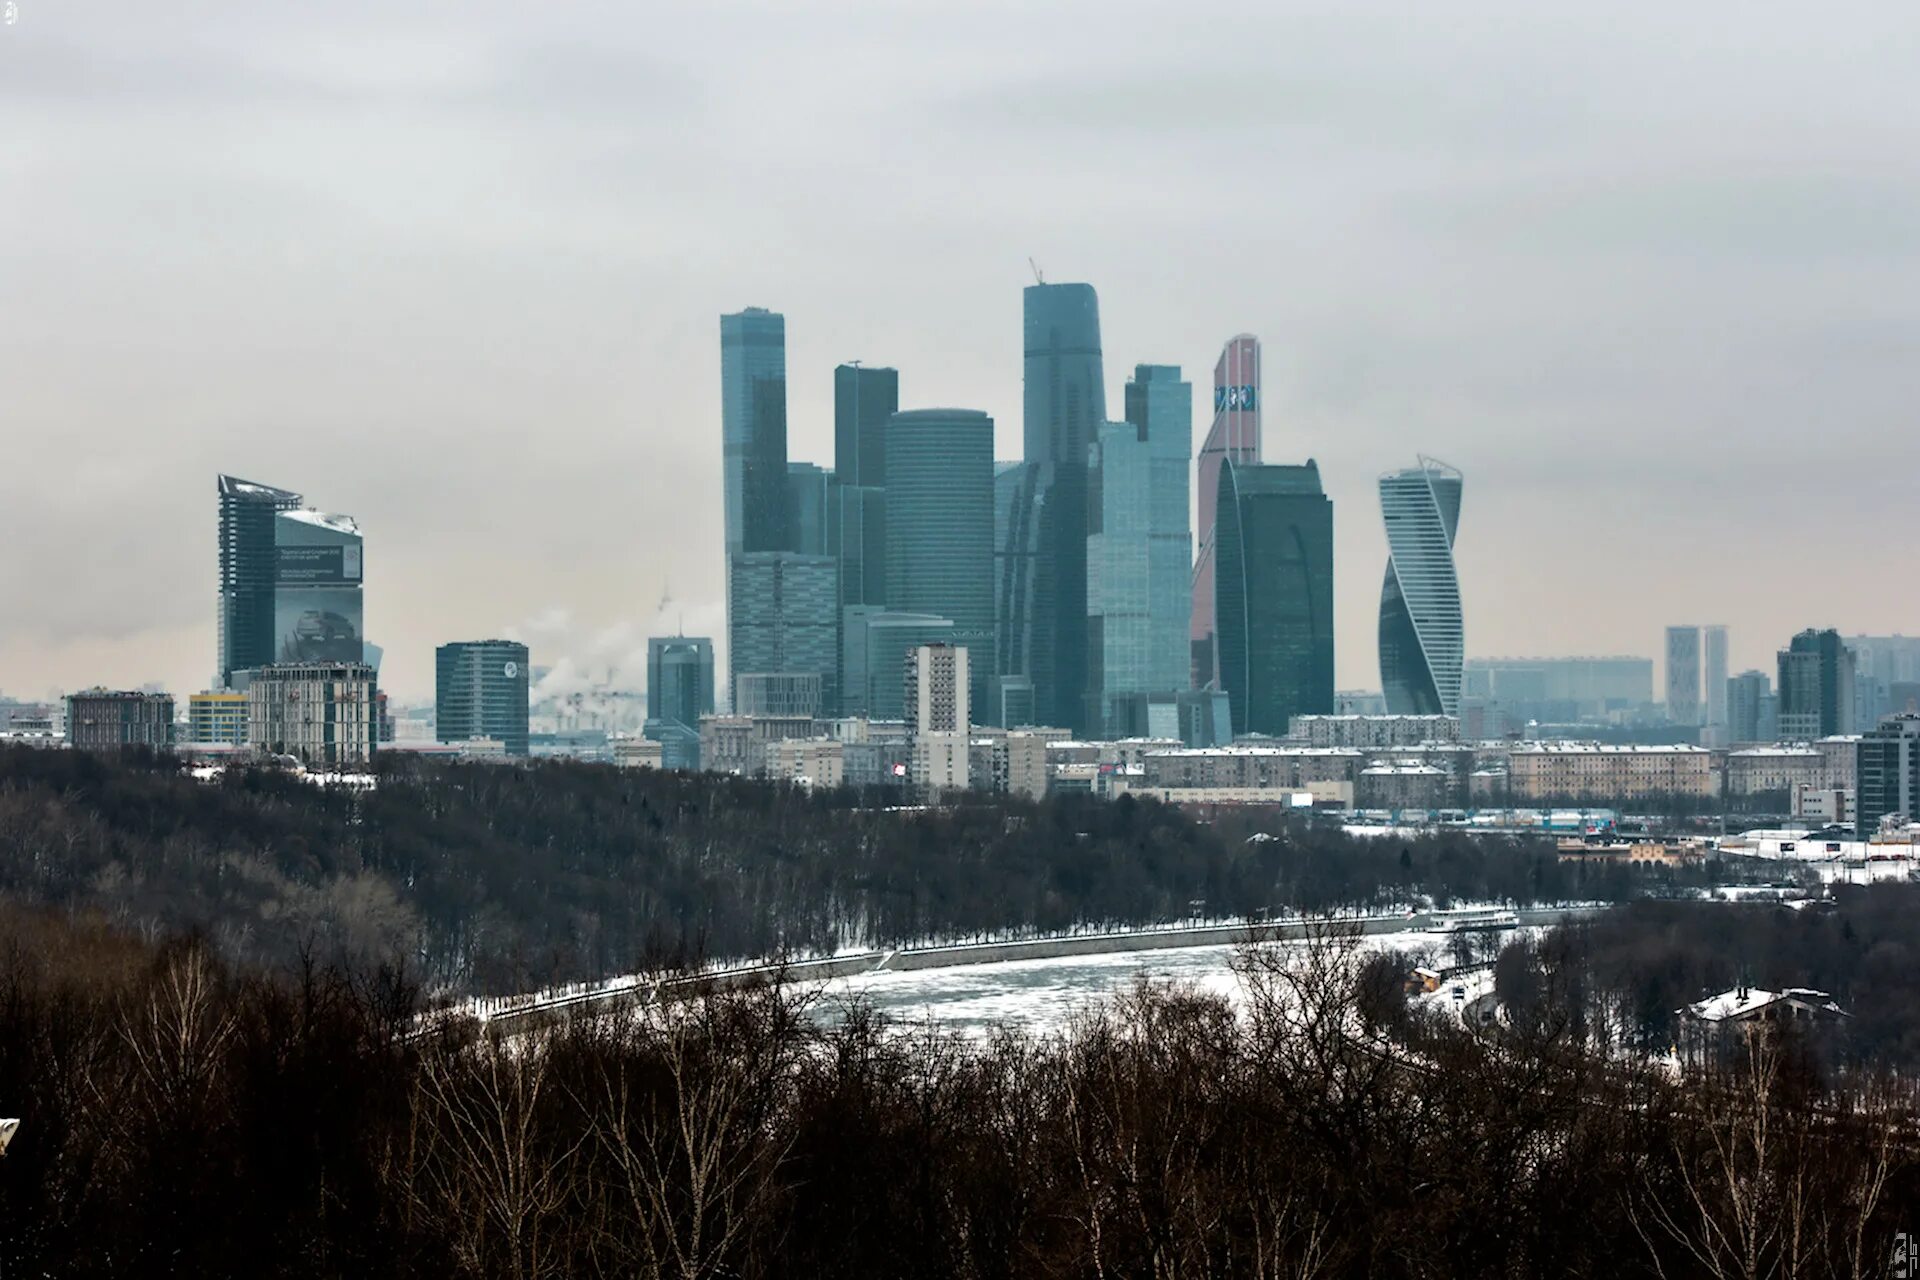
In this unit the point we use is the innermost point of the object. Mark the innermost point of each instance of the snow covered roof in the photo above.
(1745, 1002)
(323, 520)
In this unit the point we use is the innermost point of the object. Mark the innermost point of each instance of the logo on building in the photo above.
(1233, 398)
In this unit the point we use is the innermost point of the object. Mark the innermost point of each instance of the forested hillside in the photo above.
(492, 878)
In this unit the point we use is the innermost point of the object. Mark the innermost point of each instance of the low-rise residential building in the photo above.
(1717, 1031)
(1284, 768)
(217, 717)
(811, 762)
(1549, 771)
(639, 753)
(113, 719)
(1372, 731)
(1011, 761)
(1403, 786)
(1773, 770)
(1824, 804)
(876, 763)
(737, 744)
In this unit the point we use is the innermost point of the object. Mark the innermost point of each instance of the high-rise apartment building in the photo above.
(784, 617)
(1274, 601)
(939, 726)
(321, 713)
(481, 689)
(114, 719)
(940, 523)
(1234, 436)
(1140, 549)
(1064, 406)
(1887, 773)
(1683, 675)
(1422, 633)
(1713, 658)
(1750, 716)
(1815, 691)
(249, 565)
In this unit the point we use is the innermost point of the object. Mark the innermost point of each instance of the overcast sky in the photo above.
(1649, 274)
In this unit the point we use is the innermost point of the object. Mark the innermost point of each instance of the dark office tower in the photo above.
(808, 490)
(1065, 406)
(1815, 687)
(753, 410)
(785, 619)
(1422, 642)
(1234, 436)
(679, 692)
(1274, 595)
(480, 690)
(679, 678)
(1887, 768)
(249, 568)
(1016, 550)
(863, 400)
(940, 523)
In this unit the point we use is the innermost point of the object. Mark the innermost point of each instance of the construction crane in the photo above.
(1038, 278)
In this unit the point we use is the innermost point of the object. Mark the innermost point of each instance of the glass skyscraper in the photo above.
(1065, 405)
(753, 409)
(809, 489)
(784, 618)
(679, 692)
(481, 690)
(1422, 637)
(1815, 686)
(249, 573)
(1274, 594)
(1234, 436)
(863, 400)
(1140, 550)
(876, 642)
(939, 546)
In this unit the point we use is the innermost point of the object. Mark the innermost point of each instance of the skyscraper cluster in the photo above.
(1069, 576)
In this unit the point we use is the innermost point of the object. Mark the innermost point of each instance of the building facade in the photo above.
(1749, 708)
(481, 690)
(114, 719)
(217, 717)
(779, 693)
(1233, 437)
(1585, 771)
(1374, 731)
(940, 524)
(1274, 595)
(1140, 549)
(1683, 675)
(810, 508)
(753, 410)
(321, 713)
(809, 762)
(783, 617)
(1422, 635)
(318, 614)
(874, 643)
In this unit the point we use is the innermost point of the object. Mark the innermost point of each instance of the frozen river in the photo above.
(1038, 995)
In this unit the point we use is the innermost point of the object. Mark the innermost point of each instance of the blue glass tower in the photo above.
(1140, 551)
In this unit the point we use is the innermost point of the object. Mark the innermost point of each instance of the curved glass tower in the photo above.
(1421, 633)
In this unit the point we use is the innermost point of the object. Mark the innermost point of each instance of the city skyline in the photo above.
(1649, 296)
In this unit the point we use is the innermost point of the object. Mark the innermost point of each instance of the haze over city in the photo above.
(1645, 275)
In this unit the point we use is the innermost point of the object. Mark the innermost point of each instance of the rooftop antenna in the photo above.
(1038, 278)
